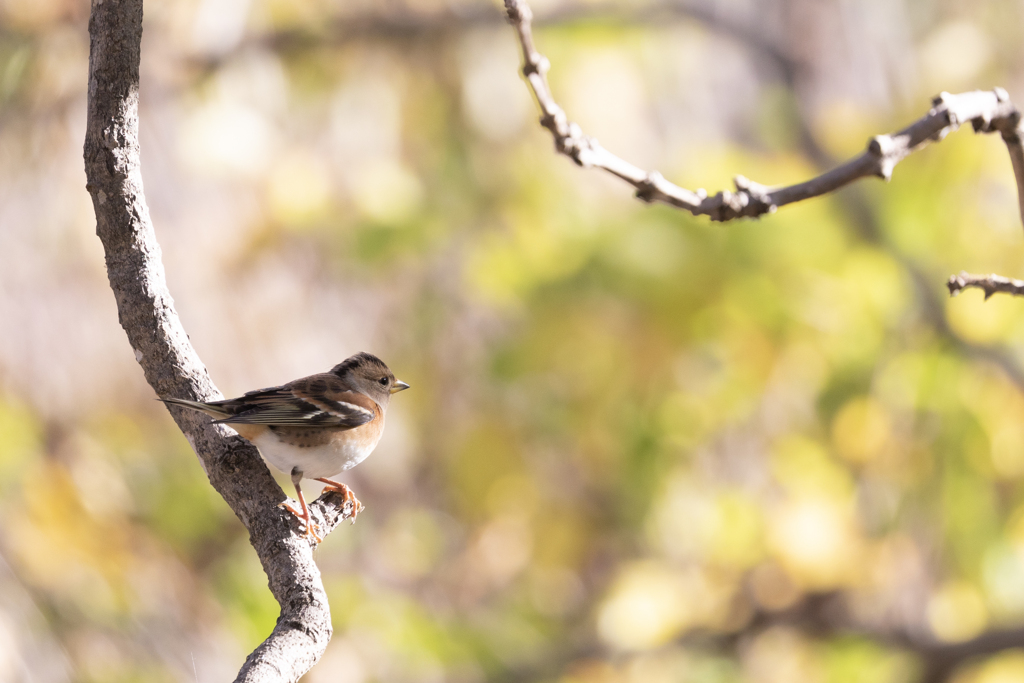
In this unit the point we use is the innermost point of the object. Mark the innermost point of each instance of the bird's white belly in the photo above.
(314, 461)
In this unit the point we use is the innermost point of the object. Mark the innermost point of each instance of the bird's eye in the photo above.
(383, 381)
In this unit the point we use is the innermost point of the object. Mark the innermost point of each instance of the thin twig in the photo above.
(990, 284)
(986, 110)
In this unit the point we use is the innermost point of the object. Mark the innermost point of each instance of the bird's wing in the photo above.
(316, 401)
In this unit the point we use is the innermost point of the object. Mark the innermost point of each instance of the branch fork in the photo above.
(170, 363)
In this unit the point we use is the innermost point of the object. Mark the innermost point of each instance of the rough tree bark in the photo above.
(172, 367)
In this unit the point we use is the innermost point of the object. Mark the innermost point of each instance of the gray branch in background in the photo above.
(171, 365)
(987, 111)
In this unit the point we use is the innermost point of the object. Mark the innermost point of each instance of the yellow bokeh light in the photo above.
(1006, 667)
(844, 124)
(982, 322)
(861, 430)
(953, 56)
(387, 191)
(780, 655)
(1008, 449)
(957, 612)
(651, 603)
(647, 608)
(803, 467)
(1003, 580)
(725, 527)
(815, 540)
(670, 665)
(227, 139)
(504, 547)
(299, 189)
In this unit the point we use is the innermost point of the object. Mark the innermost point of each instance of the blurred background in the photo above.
(639, 447)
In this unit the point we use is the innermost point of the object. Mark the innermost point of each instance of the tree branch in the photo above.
(990, 284)
(827, 615)
(818, 616)
(988, 111)
(171, 365)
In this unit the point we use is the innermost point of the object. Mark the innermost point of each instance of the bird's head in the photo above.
(368, 375)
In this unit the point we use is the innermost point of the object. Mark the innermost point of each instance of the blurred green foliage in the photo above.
(639, 446)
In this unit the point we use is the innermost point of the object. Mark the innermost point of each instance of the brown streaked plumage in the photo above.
(314, 427)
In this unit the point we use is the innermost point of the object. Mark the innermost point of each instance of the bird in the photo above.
(314, 427)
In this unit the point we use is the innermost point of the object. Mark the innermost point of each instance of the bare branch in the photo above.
(405, 25)
(819, 616)
(986, 110)
(990, 284)
(171, 365)
(827, 615)
(1010, 129)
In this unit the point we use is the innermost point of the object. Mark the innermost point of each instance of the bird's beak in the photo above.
(399, 385)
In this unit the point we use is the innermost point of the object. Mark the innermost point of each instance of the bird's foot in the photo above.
(345, 491)
(303, 516)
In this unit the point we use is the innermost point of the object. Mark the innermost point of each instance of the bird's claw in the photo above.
(357, 507)
(312, 528)
(350, 497)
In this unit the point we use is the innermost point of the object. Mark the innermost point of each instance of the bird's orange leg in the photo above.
(303, 513)
(350, 497)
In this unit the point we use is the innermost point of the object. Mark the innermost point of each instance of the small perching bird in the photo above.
(314, 427)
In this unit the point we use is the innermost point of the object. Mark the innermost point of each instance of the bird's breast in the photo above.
(318, 452)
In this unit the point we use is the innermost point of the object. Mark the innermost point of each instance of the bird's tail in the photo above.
(210, 409)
